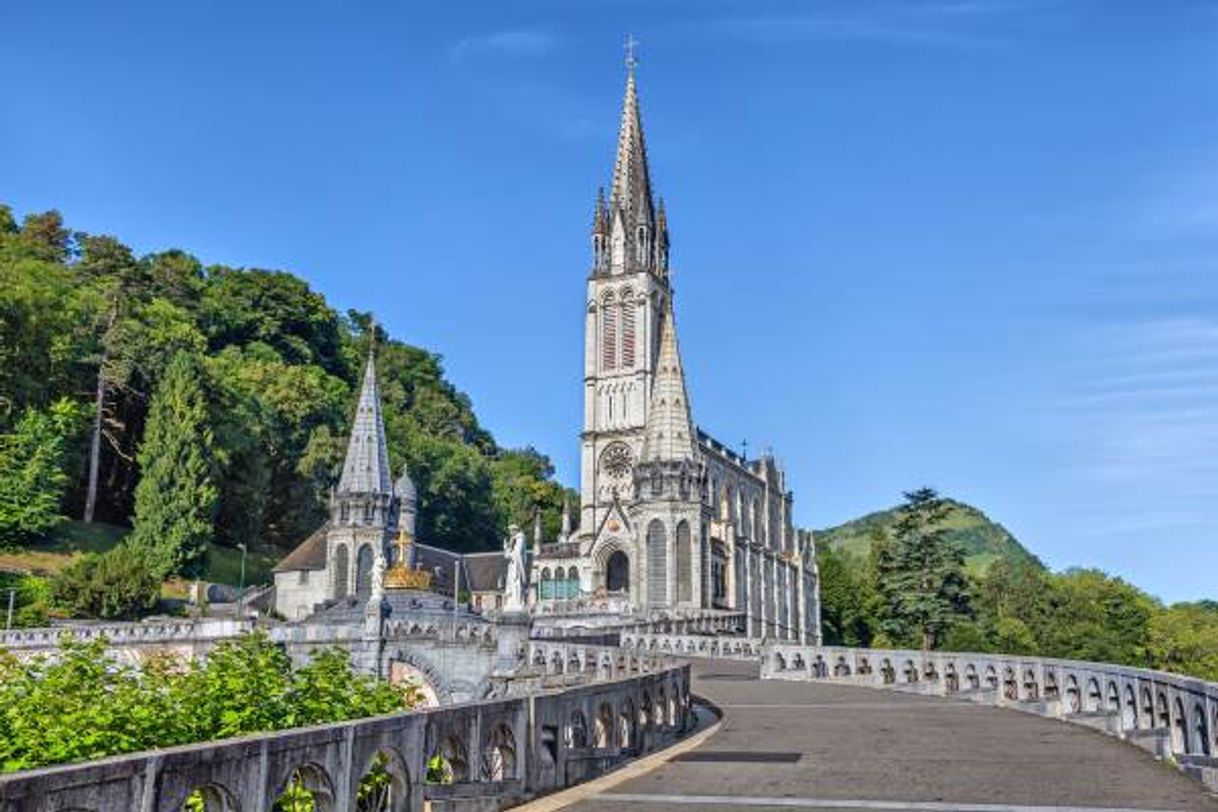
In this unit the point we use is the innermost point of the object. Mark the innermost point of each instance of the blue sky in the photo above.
(966, 243)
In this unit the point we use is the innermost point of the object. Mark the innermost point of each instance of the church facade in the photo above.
(671, 521)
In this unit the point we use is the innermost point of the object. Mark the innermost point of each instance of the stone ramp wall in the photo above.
(501, 753)
(1173, 716)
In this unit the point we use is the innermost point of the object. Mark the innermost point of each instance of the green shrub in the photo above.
(118, 585)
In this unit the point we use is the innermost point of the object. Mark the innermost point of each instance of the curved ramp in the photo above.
(809, 745)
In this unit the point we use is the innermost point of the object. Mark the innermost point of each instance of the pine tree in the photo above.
(921, 575)
(32, 476)
(175, 500)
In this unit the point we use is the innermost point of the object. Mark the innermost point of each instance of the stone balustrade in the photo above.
(199, 635)
(692, 645)
(496, 753)
(556, 657)
(165, 632)
(1172, 716)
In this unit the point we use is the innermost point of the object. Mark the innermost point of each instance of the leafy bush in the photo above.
(117, 585)
(32, 597)
(82, 704)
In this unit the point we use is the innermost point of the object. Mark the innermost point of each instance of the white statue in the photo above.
(513, 581)
(378, 578)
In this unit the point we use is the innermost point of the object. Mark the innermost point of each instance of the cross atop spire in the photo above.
(632, 58)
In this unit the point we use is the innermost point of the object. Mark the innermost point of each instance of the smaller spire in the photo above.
(566, 517)
(366, 467)
(668, 433)
(600, 219)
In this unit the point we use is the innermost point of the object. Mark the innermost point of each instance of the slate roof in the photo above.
(310, 554)
(485, 571)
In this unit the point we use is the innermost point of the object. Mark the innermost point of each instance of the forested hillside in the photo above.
(912, 577)
(982, 540)
(253, 376)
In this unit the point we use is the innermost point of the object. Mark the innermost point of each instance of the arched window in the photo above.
(577, 731)
(685, 576)
(363, 571)
(657, 564)
(628, 333)
(341, 568)
(499, 755)
(608, 334)
(547, 586)
(758, 526)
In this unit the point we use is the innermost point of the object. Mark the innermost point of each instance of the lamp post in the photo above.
(12, 597)
(241, 588)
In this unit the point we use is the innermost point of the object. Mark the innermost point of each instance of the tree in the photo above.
(175, 500)
(842, 594)
(116, 585)
(1094, 616)
(1184, 638)
(921, 575)
(32, 476)
(109, 267)
(522, 486)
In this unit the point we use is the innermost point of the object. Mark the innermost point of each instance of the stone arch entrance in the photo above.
(617, 572)
(406, 665)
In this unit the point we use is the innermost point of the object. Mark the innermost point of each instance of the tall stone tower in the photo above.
(628, 291)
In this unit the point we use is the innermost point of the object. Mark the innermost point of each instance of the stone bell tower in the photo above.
(627, 291)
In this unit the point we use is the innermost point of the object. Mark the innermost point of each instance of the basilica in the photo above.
(672, 522)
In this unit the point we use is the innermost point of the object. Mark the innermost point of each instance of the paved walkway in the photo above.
(833, 747)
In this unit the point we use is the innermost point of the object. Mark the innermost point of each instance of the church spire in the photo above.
(631, 182)
(631, 207)
(668, 434)
(366, 468)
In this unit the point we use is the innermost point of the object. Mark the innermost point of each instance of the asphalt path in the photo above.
(823, 746)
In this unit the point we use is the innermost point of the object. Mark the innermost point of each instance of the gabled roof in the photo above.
(310, 554)
(366, 467)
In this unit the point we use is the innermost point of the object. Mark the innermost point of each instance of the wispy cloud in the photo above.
(963, 24)
(509, 44)
(1146, 407)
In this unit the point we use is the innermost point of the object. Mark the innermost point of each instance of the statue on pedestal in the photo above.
(378, 578)
(514, 578)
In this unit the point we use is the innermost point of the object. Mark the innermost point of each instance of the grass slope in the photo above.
(984, 541)
(73, 539)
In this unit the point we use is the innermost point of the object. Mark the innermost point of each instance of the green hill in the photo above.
(983, 540)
